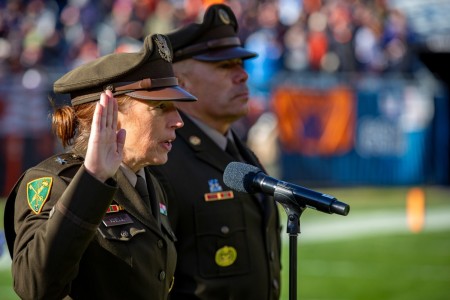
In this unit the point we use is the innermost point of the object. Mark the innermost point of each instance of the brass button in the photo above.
(272, 255)
(162, 275)
(160, 244)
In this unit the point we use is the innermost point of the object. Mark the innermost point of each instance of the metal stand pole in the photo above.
(293, 211)
(293, 228)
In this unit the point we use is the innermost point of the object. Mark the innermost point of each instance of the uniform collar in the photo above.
(130, 175)
(213, 134)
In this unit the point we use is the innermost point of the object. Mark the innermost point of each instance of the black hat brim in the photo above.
(225, 54)
(173, 93)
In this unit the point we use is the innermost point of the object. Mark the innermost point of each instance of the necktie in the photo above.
(141, 188)
(233, 150)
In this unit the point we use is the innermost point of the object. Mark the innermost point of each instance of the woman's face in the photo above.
(150, 127)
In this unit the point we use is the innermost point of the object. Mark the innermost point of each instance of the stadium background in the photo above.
(344, 94)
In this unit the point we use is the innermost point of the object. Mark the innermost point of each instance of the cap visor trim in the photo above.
(225, 54)
(173, 93)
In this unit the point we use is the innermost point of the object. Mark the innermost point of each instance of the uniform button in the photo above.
(225, 229)
(124, 233)
(162, 275)
(160, 244)
(275, 284)
(272, 255)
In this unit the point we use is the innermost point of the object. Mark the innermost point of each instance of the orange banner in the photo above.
(315, 122)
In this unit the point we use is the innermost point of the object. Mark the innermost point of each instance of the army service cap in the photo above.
(215, 39)
(145, 75)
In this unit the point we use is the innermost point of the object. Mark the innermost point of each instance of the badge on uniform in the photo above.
(226, 256)
(162, 209)
(38, 191)
(119, 218)
(114, 208)
(216, 192)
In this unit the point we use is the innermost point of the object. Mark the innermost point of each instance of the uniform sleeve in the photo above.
(51, 241)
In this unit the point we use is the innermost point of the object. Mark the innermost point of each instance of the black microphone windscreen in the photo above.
(239, 176)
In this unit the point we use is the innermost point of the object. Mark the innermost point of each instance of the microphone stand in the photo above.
(293, 211)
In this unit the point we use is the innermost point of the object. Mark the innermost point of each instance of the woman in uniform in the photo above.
(92, 223)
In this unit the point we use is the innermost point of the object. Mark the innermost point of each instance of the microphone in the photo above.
(250, 179)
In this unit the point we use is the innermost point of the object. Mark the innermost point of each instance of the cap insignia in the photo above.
(163, 48)
(224, 16)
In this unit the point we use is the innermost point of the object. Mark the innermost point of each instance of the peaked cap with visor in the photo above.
(144, 75)
(215, 39)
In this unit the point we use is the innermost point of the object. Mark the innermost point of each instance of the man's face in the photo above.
(221, 89)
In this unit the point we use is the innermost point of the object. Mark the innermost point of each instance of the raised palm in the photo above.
(105, 147)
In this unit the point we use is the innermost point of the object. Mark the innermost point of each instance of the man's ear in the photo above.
(181, 74)
(182, 80)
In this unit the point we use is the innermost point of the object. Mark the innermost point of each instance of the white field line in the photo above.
(335, 227)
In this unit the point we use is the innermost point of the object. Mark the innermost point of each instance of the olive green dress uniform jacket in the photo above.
(204, 227)
(67, 252)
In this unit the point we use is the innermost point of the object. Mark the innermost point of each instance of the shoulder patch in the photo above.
(38, 191)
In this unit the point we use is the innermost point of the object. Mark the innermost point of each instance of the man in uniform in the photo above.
(228, 243)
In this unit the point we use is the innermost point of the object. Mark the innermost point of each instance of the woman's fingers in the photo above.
(111, 109)
(97, 118)
(104, 110)
(121, 135)
(115, 114)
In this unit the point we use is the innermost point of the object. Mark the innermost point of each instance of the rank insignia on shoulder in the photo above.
(38, 191)
(60, 160)
(162, 209)
(226, 256)
(219, 196)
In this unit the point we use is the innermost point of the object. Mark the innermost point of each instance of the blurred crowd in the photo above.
(40, 40)
(311, 35)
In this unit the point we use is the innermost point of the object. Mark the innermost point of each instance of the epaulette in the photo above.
(60, 162)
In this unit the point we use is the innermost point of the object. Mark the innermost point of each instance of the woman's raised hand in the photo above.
(105, 147)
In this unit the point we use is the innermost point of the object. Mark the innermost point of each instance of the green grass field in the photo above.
(369, 254)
